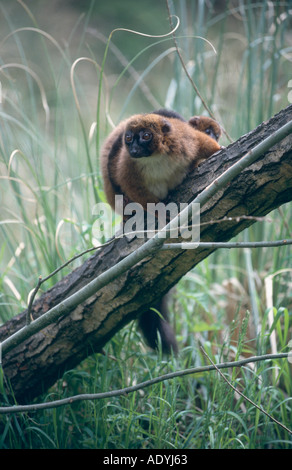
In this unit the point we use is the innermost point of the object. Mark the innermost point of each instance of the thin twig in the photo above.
(142, 385)
(244, 396)
(210, 245)
(29, 316)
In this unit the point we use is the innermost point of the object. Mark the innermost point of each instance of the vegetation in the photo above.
(59, 93)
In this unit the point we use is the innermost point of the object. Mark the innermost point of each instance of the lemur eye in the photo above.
(128, 138)
(147, 136)
(208, 131)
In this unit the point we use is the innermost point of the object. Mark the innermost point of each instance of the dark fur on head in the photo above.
(169, 113)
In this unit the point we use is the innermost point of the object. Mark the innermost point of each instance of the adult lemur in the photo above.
(144, 158)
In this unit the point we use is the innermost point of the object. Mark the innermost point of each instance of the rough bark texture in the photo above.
(38, 362)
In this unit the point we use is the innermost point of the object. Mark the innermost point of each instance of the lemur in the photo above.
(143, 159)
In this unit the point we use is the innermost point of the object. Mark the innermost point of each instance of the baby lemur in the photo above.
(143, 159)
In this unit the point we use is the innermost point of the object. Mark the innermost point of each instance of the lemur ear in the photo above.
(194, 121)
(166, 126)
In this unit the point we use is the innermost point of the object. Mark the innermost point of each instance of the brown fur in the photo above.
(177, 148)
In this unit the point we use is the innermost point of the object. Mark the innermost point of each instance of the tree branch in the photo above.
(142, 385)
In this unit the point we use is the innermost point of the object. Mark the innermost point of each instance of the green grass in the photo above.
(50, 181)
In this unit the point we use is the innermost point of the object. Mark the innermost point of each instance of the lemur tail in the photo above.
(151, 323)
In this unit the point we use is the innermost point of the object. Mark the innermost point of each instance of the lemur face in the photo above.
(207, 126)
(139, 143)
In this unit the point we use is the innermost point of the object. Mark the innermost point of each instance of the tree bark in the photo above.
(39, 361)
